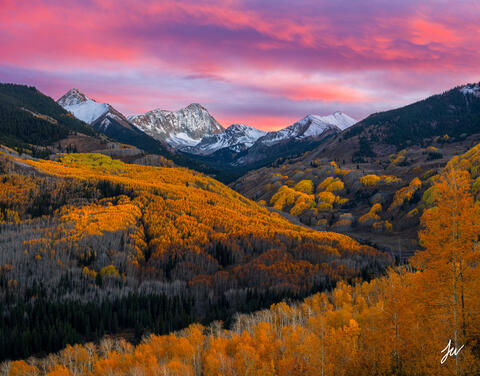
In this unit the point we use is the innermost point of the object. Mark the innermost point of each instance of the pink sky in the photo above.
(263, 63)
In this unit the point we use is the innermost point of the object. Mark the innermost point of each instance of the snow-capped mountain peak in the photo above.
(98, 115)
(182, 128)
(236, 137)
(72, 97)
(82, 107)
(338, 118)
(309, 126)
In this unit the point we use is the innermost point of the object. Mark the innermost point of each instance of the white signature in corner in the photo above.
(450, 351)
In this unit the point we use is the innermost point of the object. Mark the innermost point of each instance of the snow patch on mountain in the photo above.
(473, 89)
(181, 139)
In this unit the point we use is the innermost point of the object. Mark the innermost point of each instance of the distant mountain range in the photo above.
(106, 119)
(193, 131)
(191, 137)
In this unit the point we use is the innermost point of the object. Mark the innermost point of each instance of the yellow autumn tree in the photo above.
(451, 257)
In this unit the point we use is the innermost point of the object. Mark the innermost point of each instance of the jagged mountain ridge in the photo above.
(237, 137)
(182, 128)
(194, 132)
(303, 135)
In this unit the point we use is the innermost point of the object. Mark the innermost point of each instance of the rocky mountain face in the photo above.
(82, 107)
(182, 128)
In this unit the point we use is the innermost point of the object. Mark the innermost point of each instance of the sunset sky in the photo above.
(262, 63)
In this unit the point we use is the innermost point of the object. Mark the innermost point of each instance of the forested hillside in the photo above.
(29, 118)
(394, 325)
(91, 245)
(373, 180)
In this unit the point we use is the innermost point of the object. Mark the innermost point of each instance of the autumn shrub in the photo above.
(303, 203)
(324, 207)
(405, 194)
(109, 271)
(305, 186)
(324, 184)
(342, 172)
(327, 197)
(370, 181)
(372, 216)
(285, 196)
(335, 186)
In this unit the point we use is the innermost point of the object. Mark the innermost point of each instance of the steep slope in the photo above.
(237, 137)
(105, 246)
(453, 115)
(182, 128)
(99, 115)
(31, 121)
(107, 120)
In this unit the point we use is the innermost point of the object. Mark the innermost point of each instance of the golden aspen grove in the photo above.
(394, 324)
(95, 246)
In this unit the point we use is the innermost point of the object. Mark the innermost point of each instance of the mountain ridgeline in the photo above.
(197, 135)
